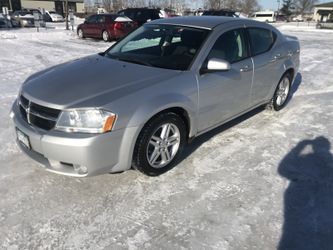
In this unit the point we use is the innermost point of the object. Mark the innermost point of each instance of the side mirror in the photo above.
(215, 64)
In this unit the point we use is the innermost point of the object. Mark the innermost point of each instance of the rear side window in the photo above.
(262, 40)
(101, 19)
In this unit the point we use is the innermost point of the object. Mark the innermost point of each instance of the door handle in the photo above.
(245, 68)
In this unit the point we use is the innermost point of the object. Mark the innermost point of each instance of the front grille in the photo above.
(37, 115)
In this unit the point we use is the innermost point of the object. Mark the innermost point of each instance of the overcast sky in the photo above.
(272, 4)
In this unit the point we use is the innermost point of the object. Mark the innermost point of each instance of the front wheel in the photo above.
(160, 143)
(281, 93)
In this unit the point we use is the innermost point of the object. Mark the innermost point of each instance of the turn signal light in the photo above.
(108, 124)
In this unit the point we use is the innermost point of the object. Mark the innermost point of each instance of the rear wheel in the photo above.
(80, 33)
(281, 94)
(160, 143)
(105, 36)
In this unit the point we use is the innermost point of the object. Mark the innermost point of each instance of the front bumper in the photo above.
(69, 153)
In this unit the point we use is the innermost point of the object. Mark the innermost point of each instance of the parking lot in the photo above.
(230, 190)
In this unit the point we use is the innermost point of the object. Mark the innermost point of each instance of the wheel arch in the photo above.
(179, 105)
(178, 110)
(287, 68)
(291, 72)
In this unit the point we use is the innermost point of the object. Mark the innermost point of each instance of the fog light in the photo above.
(11, 114)
(80, 169)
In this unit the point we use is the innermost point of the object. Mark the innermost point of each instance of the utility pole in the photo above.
(278, 10)
(66, 18)
(10, 5)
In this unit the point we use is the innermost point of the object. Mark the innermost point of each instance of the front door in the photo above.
(224, 94)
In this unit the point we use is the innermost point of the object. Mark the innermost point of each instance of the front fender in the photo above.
(162, 102)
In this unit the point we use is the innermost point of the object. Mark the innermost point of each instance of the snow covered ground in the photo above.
(241, 186)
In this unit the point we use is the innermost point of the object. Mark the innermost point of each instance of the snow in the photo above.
(225, 194)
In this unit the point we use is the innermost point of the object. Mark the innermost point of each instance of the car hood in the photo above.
(79, 83)
(56, 16)
(26, 16)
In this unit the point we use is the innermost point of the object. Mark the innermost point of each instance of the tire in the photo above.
(159, 144)
(281, 93)
(80, 34)
(105, 36)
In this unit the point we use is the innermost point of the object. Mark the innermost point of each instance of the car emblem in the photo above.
(27, 110)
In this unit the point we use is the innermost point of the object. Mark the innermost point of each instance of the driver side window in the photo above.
(230, 46)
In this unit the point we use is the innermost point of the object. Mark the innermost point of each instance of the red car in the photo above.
(106, 26)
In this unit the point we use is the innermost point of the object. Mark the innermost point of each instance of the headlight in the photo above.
(86, 121)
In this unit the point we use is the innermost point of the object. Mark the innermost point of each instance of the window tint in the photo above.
(230, 46)
(149, 39)
(101, 19)
(163, 46)
(261, 39)
(92, 19)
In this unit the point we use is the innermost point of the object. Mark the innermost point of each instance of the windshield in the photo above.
(163, 46)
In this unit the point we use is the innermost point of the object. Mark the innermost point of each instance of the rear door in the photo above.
(266, 62)
(224, 94)
(100, 26)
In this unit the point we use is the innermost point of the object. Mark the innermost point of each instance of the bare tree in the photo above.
(214, 4)
(232, 4)
(108, 5)
(304, 5)
(246, 6)
(249, 6)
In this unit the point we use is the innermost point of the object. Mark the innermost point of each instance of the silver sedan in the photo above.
(137, 104)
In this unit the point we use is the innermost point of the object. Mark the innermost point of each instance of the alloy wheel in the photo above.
(163, 145)
(105, 36)
(283, 91)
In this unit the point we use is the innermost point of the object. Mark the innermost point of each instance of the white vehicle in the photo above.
(298, 18)
(55, 17)
(264, 16)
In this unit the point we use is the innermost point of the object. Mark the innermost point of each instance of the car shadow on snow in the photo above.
(308, 203)
(294, 87)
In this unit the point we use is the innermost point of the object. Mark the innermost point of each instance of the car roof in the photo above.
(136, 9)
(107, 14)
(204, 22)
(219, 11)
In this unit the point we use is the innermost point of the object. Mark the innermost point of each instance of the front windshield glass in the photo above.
(163, 46)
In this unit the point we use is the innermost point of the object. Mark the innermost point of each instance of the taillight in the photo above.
(118, 26)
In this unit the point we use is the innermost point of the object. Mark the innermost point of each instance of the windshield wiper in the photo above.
(134, 60)
(130, 60)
